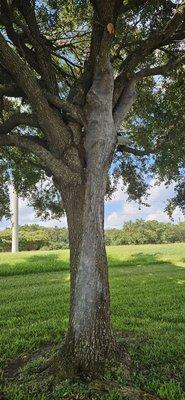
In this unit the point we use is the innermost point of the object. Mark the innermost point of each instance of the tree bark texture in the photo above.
(89, 339)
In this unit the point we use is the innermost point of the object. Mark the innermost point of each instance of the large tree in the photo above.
(72, 75)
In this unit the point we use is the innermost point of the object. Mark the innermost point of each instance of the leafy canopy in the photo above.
(60, 42)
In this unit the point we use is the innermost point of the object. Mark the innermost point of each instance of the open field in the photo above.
(148, 311)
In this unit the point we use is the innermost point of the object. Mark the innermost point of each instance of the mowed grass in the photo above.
(148, 309)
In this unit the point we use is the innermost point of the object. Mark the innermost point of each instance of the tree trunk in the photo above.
(89, 339)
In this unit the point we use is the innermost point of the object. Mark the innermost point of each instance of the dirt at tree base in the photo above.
(48, 370)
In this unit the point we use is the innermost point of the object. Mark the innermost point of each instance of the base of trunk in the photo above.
(86, 358)
(51, 377)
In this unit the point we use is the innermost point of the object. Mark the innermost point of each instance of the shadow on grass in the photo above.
(42, 263)
(138, 260)
(35, 264)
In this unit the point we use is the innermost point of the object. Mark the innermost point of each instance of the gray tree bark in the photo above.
(89, 340)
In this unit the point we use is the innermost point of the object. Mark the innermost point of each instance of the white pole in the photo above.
(15, 223)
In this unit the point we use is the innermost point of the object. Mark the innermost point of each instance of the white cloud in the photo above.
(27, 216)
(159, 194)
(113, 219)
(159, 216)
(119, 194)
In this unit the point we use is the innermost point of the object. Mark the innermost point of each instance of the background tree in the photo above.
(72, 73)
(35, 237)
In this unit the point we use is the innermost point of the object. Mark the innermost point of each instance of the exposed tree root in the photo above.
(52, 365)
(51, 371)
(126, 391)
(47, 364)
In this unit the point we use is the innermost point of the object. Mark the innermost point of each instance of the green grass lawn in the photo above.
(148, 305)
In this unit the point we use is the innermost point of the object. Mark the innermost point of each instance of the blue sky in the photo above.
(117, 210)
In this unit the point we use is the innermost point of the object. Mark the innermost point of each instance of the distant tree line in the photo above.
(143, 232)
(35, 237)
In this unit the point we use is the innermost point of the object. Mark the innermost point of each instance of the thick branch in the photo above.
(11, 90)
(155, 40)
(161, 69)
(125, 103)
(27, 143)
(8, 18)
(70, 108)
(49, 120)
(128, 96)
(101, 39)
(22, 73)
(47, 160)
(16, 120)
(41, 45)
(135, 151)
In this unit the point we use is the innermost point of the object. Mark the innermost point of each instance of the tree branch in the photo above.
(144, 152)
(155, 40)
(46, 159)
(30, 144)
(16, 120)
(26, 80)
(101, 39)
(136, 152)
(125, 103)
(74, 111)
(132, 5)
(11, 90)
(41, 44)
(8, 18)
(128, 96)
(161, 69)
(21, 72)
